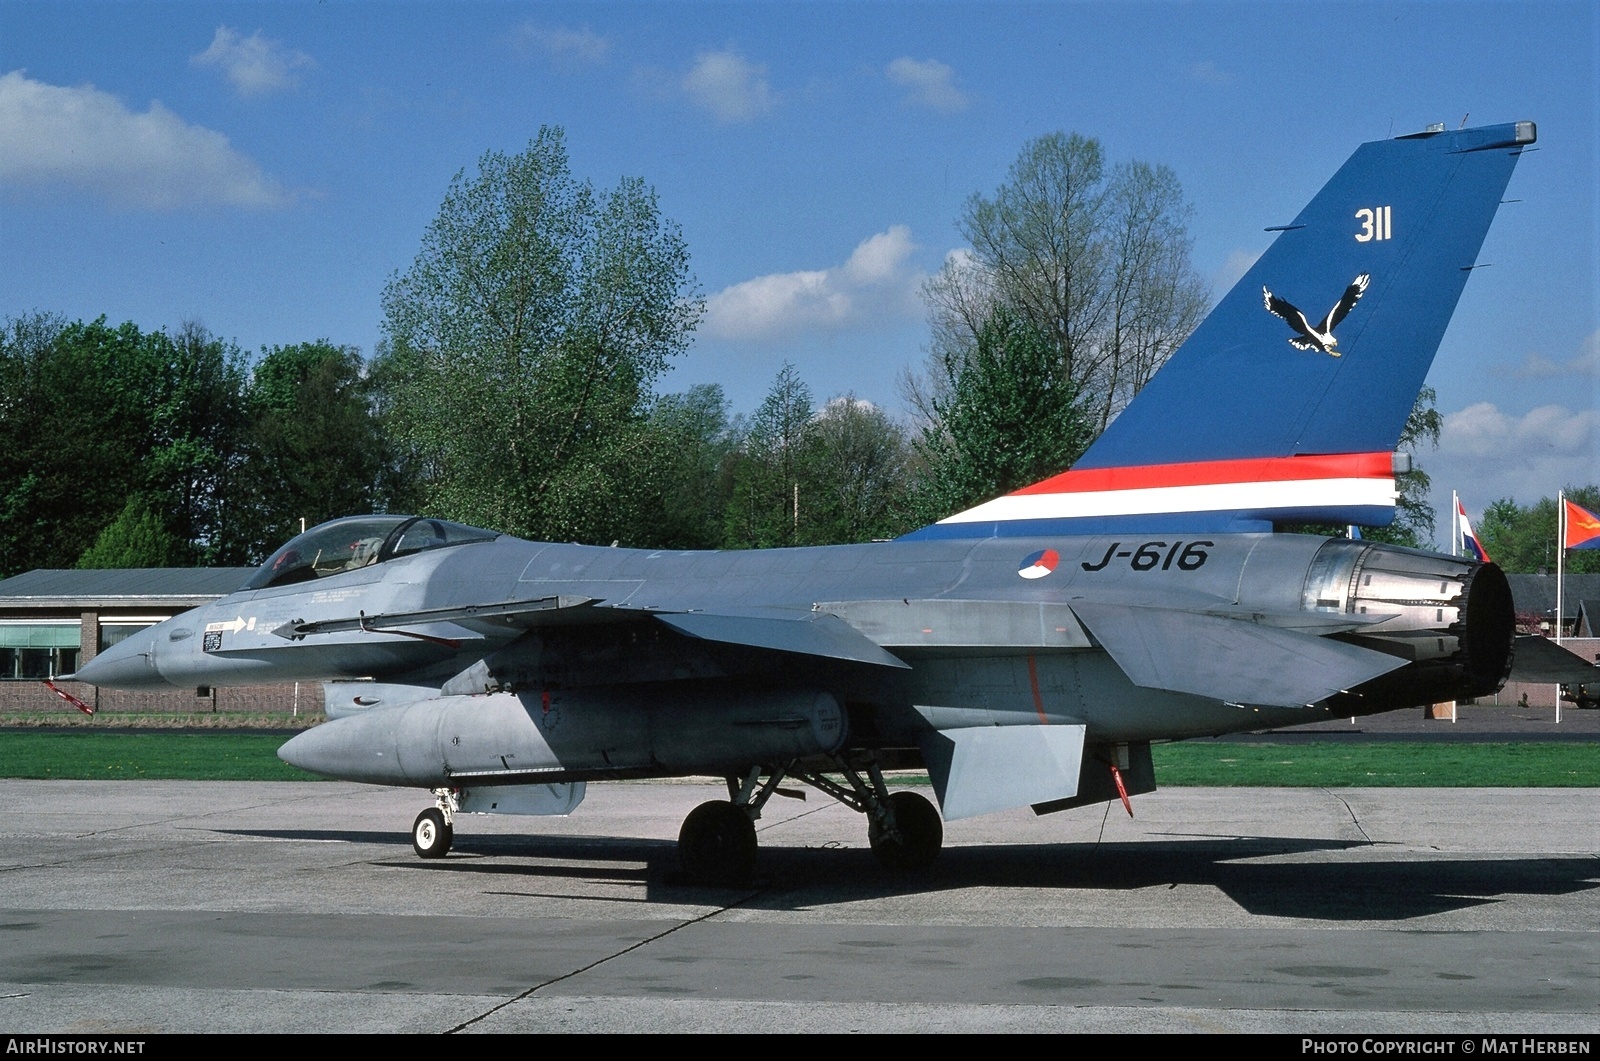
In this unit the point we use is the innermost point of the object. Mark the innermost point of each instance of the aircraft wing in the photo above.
(1539, 659)
(1228, 659)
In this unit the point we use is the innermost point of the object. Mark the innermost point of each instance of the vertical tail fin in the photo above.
(1288, 400)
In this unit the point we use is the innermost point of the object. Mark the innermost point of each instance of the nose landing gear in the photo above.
(434, 830)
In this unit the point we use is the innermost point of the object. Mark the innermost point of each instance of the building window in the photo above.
(34, 651)
(115, 631)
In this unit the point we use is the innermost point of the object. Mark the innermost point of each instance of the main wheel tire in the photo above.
(717, 844)
(920, 834)
(431, 836)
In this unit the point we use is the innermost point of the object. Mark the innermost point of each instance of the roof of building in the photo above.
(1530, 593)
(113, 587)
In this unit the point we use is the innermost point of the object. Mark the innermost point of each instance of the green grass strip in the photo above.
(146, 757)
(80, 756)
(1397, 764)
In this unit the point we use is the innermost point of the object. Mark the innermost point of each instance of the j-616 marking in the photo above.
(1148, 554)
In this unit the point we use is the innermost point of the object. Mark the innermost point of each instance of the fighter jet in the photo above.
(1024, 653)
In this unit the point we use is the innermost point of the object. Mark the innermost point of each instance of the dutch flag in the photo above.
(1469, 541)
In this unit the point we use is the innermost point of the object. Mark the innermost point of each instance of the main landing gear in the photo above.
(717, 844)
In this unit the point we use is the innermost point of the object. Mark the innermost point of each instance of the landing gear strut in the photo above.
(904, 829)
(717, 844)
(433, 831)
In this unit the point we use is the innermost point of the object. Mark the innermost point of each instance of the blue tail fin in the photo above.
(1288, 400)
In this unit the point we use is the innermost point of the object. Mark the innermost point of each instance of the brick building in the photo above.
(53, 621)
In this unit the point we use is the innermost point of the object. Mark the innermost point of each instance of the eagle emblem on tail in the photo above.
(1320, 336)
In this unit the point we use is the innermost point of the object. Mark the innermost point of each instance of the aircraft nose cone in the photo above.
(129, 664)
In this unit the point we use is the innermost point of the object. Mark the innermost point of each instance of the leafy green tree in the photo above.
(1009, 416)
(860, 464)
(1522, 538)
(136, 538)
(197, 439)
(314, 444)
(772, 470)
(76, 433)
(26, 345)
(1413, 516)
(91, 416)
(692, 447)
(523, 342)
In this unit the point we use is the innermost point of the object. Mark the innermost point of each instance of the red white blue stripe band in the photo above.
(1260, 486)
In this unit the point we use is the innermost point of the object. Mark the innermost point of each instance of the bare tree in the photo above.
(1098, 262)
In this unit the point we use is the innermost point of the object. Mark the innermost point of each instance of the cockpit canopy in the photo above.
(356, 541)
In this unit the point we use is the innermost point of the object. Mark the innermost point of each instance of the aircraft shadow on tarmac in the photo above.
(1386, 889)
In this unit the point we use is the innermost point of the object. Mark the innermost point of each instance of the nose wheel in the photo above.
(433, 832)
(431, 835)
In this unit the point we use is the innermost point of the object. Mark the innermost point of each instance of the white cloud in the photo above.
(844, 403)
(729, 86)
(875, 282)
(1585, 365)
(1482, 430)
(929, 82)
(85, 137)
(564, 45)
(256, 65)
(1487, 454)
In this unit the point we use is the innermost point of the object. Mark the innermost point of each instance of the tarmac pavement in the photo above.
(140, 907)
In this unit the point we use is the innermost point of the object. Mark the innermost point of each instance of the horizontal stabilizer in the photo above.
(990, 768)
(1228, 659)
(1539, 659)
(809, 634)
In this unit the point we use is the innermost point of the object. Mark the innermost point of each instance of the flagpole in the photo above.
(1561, 553)
(1455, 524)
(1561, 563)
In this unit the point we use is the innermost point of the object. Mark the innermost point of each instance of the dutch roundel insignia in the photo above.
(1039, 564)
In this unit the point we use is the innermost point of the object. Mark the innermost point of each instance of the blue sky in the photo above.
(265, 168)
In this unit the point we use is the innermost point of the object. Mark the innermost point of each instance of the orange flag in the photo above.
(1583, 528)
